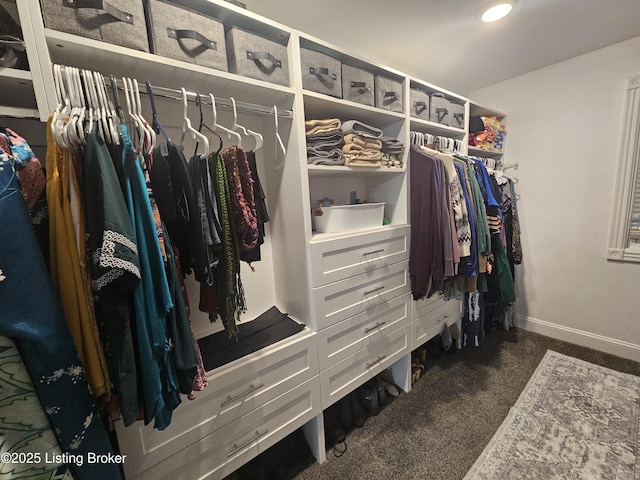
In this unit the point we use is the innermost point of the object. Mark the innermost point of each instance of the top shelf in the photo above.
(319, 105)
(120, 61)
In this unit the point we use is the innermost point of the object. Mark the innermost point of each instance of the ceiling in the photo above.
(443, 42)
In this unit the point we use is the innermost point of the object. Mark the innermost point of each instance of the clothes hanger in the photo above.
(72, 133)
(91, 102)
(216, 126)
(108, 109)
(62, 109)
(279, 145)
(186, 126)
(203, 125)
(155, 123)
(257, 137)
(150, 133)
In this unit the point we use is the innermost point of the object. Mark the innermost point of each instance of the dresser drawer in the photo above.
(426, 304)
(334, 260)
(343, 339)
(348, 374)
(431, 323)
(234, 390)
(340, 300)
(221, 453)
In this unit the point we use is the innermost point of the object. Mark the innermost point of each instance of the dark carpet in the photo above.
(441, 427)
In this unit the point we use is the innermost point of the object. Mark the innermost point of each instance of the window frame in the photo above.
(619, 248)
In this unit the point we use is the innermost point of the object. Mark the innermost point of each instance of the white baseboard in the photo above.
(580, 337)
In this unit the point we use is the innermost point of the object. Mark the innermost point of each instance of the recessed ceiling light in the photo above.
(497, 11)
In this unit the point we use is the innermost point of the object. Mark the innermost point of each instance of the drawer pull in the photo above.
(377, 325)
(237, 447)
(361, 86)
(378, 360)
(443, 318)
(100, 5)
(322, 71)
(240, 395)
(373, 252)
(377, 289)
(264, 56)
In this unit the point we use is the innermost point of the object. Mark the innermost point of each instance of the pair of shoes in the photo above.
(333, 431)
(391, 389)
(434, 348)
(358, 415)
(368, 396)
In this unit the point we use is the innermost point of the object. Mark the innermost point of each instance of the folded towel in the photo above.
(362, 129)
(369, 143)
(319, 157)
(361, 162)
(392, 146)
(326, 140)
(323, 125)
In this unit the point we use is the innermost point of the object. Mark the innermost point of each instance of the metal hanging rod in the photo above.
(225, 103)
(175, 94)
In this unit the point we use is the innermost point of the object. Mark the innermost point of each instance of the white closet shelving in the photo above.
(351, 290)
(482, 111)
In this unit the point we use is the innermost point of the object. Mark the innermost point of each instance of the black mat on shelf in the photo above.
(268, 328)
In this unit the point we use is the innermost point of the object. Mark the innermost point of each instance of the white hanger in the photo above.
(150, 133)
(73, 130)
(186, 126)
(258, 138)
(63, 108)
(108, 108)
(279, 145)
(218, 127)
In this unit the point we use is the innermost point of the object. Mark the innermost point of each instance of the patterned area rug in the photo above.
(573, 420)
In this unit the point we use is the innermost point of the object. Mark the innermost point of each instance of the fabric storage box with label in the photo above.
(183, 34)
(120, 22)
(419, 103)
(347, 218)
(321, 73)
(439, 108)
(456, 115)
(357, 85)
(388, 94)
(258, 57)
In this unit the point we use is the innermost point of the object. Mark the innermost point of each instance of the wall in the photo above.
(563, 128)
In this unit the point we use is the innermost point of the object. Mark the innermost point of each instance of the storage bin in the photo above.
(357, 85)
(388, 94)
(419, 104)
(183, 34)
(439, 108)
(255, 56)
(321, 73)
(120, 22)
(456, 115)
(346, 218)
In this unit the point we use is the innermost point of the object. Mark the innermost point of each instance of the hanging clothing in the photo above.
(243, 205)
(228, 284)
(253, 254)
(468, 267)
(426, 250)
(205, 225)
(42, 336)
(24, 426)
(152, 297)
(174, 194)
(114, 271)
(67, 251)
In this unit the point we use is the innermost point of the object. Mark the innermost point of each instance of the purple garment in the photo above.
(426, 267)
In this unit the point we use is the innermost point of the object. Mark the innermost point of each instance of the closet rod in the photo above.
(510, 165)
(175, 94)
